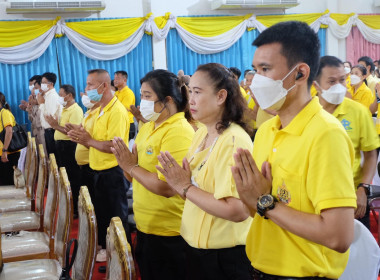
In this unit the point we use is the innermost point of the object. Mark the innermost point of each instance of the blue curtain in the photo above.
(73, 65)
(239, 55)
(14, 80)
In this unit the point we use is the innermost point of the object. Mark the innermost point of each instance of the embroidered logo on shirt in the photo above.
(346, 124)
(283, 194)
(149, 150)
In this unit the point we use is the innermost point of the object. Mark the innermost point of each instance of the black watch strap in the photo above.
(367, 188)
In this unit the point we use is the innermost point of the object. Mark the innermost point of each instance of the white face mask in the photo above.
(347, 70)
(147, 110)
(31, 87)
(335, 94)
(270, 94)
(355, 79)
(86, 101)
(61, 100)
(44, 87)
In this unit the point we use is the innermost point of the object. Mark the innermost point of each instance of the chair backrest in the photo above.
(119, 257)
(374, 205)
(87, 238)
(364, 259)
(27, 157)
(41, 182)
(30, 182)
(51, 198)
(64, 217)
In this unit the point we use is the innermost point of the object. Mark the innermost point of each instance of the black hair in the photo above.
(3, 102)
(299, 43)
(348, 63)
(112, 83)
(51, 77)
(235, 105)
(38, 80)
(368, 62)
(34, 78)
(164, 84)
(246, 71)
(236, 71)
(363, 70)
(327, 61)
(123, 73)
(69, 89)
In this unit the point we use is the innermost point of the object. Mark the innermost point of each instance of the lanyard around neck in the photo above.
(199, 149)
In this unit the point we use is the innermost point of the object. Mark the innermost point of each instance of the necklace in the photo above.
(201, 148)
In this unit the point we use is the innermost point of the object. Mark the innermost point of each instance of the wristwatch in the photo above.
(265, 202)
(4, 150)
(367, 188)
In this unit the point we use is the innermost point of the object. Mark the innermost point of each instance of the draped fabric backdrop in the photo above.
(357, 46)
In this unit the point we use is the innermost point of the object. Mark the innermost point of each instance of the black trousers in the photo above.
(366, 220)
(87, 179)
(218, 264)
(65, 155)
(132, 131)
(160, 257)
(49, 141)
(110, 188)
(6, 169)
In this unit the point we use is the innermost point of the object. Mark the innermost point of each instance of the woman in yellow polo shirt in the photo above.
(359, 90)
(157, 208)
(215, 223)
(8, 160)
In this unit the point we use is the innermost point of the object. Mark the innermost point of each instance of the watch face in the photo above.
(266, 200)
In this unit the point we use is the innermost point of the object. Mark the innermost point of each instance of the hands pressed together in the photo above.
(78, 134)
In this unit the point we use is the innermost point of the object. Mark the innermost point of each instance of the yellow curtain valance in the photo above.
(272, 20)
(14, 33)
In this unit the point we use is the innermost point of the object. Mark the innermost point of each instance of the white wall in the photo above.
(138, 8)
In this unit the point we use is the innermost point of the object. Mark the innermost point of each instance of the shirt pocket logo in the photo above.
(149, 150)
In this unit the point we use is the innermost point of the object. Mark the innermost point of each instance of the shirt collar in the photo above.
(341, 109)
(110, 104)
(299, 122)
(169, 120)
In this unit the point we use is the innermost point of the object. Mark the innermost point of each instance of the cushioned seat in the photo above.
(12, 192)
(25, 243)
(22, 220)
(34, 269)
(14, 204)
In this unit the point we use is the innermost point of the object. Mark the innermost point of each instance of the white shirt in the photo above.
(51, 107)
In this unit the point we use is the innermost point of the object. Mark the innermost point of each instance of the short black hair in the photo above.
(51, 77)
(38, 80)
(69, 89)
(34, 78)
(236, 71)
(368, 62)
(327, 61)
(298, 41)
(123, 73)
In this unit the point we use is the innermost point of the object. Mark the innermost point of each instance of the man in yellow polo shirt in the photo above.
(126, 97)
(372, 81)
(298, 185)
(64, 148)
(110, 186)
(357, 121)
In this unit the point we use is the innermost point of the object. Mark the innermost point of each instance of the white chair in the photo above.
(120, 263)
(85, 260)
(25, 204)
(30, 220)
(364, 260)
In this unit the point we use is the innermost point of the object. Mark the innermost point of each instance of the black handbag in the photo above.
(65, 275)
(19, 137)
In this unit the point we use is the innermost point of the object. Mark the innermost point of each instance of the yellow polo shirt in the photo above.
(378, 119)
(199, 228)
(155, 214)
(372, 81)
(311, 161)
(251, 105)
(358, 123)
(8, 120)
(243, 92)
(82, 153)
(363, 95)
(313, 91)
(110, 122)
(74, 115)
(127, 98)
